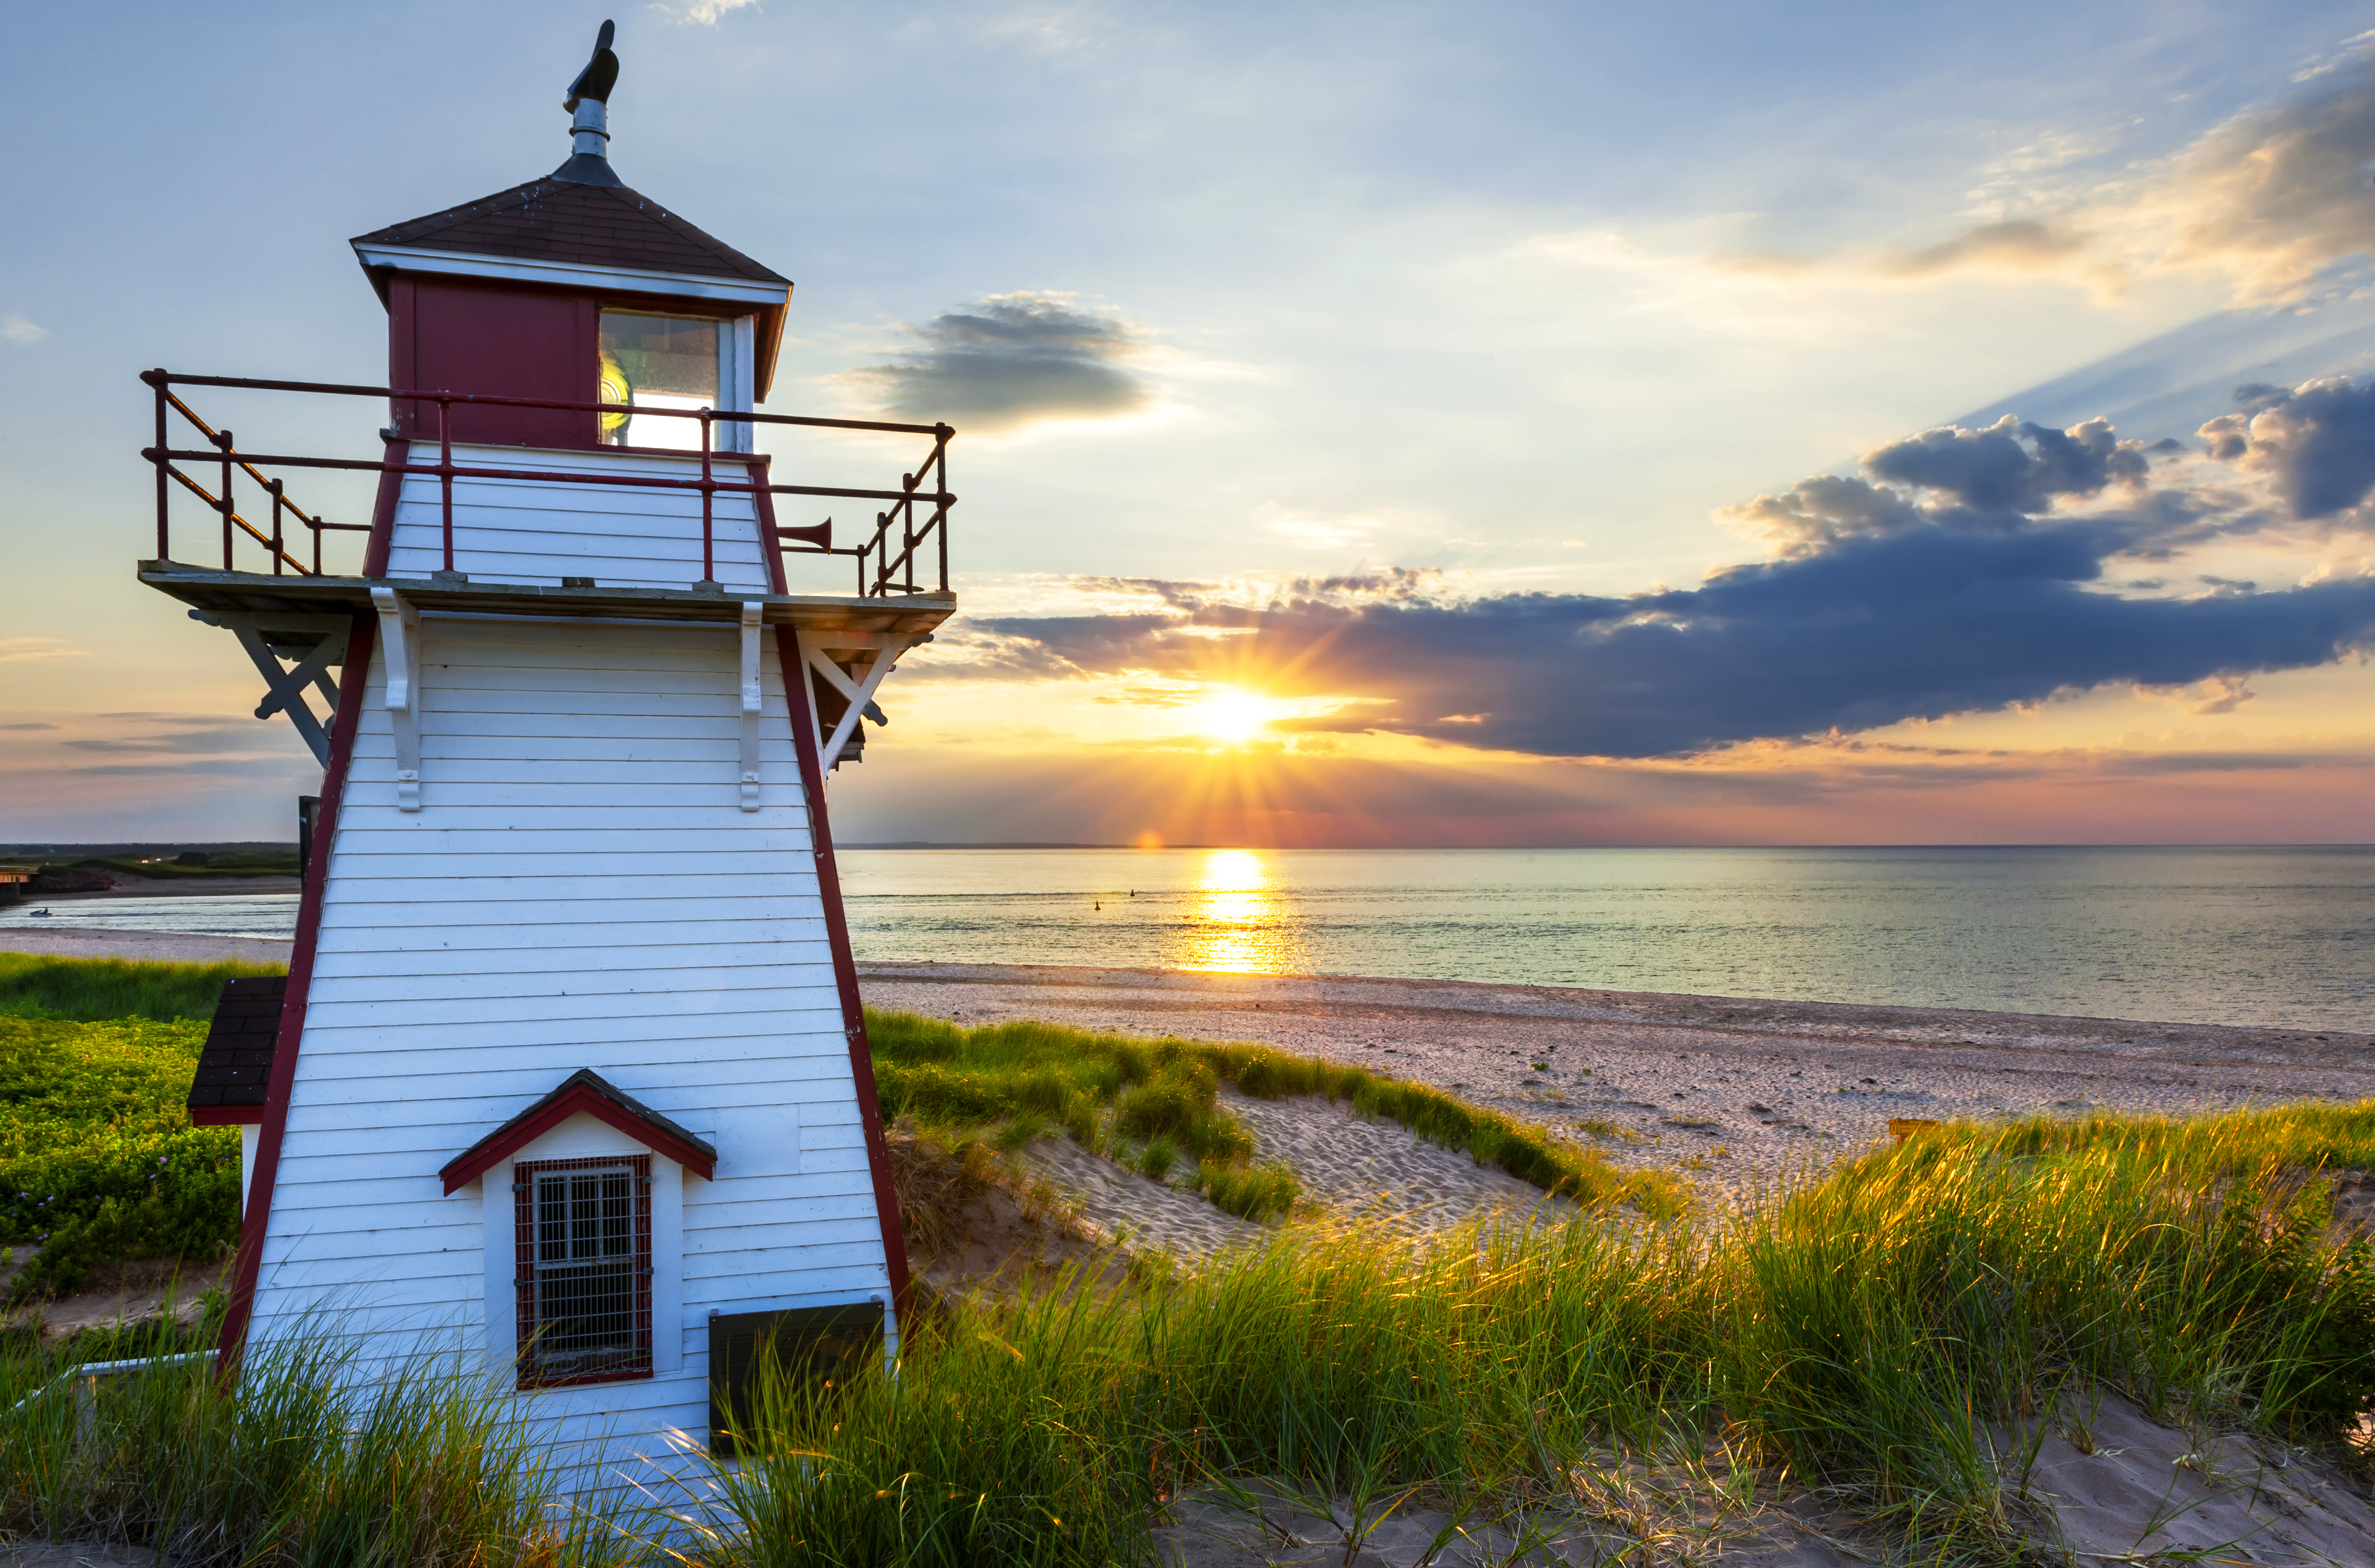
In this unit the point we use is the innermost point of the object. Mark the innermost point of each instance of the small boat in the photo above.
(38, 915)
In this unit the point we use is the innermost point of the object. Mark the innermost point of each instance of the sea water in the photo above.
(2281, 936)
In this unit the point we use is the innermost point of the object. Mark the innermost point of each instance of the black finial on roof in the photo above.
(589, 106)
(600, 74)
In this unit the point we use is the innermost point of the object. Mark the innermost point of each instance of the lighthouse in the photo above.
(569, 1077)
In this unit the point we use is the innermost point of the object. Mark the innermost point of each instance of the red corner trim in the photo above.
(845, 965)
(356, 674)
(509, 1140)
(226, 1116)
(383, 535)
(770, 543)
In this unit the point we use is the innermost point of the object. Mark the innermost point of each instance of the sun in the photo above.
(1231, 715)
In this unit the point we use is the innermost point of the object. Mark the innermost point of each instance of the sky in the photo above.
(1392, 424)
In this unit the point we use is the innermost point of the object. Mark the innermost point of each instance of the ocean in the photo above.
(2281, 936)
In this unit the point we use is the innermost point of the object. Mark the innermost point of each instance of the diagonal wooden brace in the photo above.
(859, 692)
(285, 686)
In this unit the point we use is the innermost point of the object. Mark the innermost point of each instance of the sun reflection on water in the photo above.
(1233, 917)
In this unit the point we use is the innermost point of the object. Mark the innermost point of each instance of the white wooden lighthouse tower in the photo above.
(569, 1072)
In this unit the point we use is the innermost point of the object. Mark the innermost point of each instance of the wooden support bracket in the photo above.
(752, 704)
(399, 630)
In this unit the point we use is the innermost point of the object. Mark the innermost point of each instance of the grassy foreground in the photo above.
(1856, 1334)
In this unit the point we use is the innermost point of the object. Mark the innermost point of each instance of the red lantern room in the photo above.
(568, 1071)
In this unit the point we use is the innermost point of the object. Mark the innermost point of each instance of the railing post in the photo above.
(314, 523)
(445, 470)
(156, 378)
(275, 487)
(941, 434)
(222, 440)
(907, 533)
(708, 492)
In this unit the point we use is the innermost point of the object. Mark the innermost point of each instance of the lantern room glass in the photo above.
(653, 361)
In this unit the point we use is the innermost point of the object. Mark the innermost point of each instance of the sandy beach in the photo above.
(1668, 1081)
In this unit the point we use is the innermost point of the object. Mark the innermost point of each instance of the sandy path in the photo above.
(1353, 1168)
(1671, 1080)
(1375, 1168)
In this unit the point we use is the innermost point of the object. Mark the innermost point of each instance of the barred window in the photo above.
(584, 1238)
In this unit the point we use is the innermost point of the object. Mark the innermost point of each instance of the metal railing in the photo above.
(882, 571)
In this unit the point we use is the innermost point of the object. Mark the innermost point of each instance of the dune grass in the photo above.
(290, 1466)
(1125, 1096)
(97, 990)
(1856, 1334)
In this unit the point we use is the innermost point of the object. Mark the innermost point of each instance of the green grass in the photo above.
(1119, 1095)
(94, 990)
(98, 1162)
(286, 1466)
(1854, 1335)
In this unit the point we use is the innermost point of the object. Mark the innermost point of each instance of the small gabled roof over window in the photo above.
(585, 1092)
(235, 1065)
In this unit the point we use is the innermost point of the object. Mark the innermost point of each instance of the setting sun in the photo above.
(1232, 715)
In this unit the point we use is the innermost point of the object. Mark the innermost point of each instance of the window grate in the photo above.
(583, 1231)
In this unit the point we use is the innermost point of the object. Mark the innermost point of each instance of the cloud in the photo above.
(1963, 571)
(26, 650)
(701, 13)
(31, 726)
(200, 737)
(17, 329)
(1011, 361)
(2018, 244)
(2316, 441)
(2271, 197)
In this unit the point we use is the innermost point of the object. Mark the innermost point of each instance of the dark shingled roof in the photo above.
(236, 1063)
(560, 221)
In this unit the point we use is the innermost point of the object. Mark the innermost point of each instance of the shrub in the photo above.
(1258, 1193)
(1154, 1162)
(99, 1161)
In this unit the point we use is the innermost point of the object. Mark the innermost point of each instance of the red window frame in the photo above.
(525, 1236)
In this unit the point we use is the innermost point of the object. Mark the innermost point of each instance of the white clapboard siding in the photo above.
(580, 889)
(537, 532)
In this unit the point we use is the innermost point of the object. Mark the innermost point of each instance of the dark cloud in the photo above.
(1950, 579)
(31, 726)
(2011, 465)
(1009, 361)
(2317, 442)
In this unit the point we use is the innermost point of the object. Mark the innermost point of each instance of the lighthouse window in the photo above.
(585, 1240)
(659, 362)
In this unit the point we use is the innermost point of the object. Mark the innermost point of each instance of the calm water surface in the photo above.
(2281, 935)
(2253, 935)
